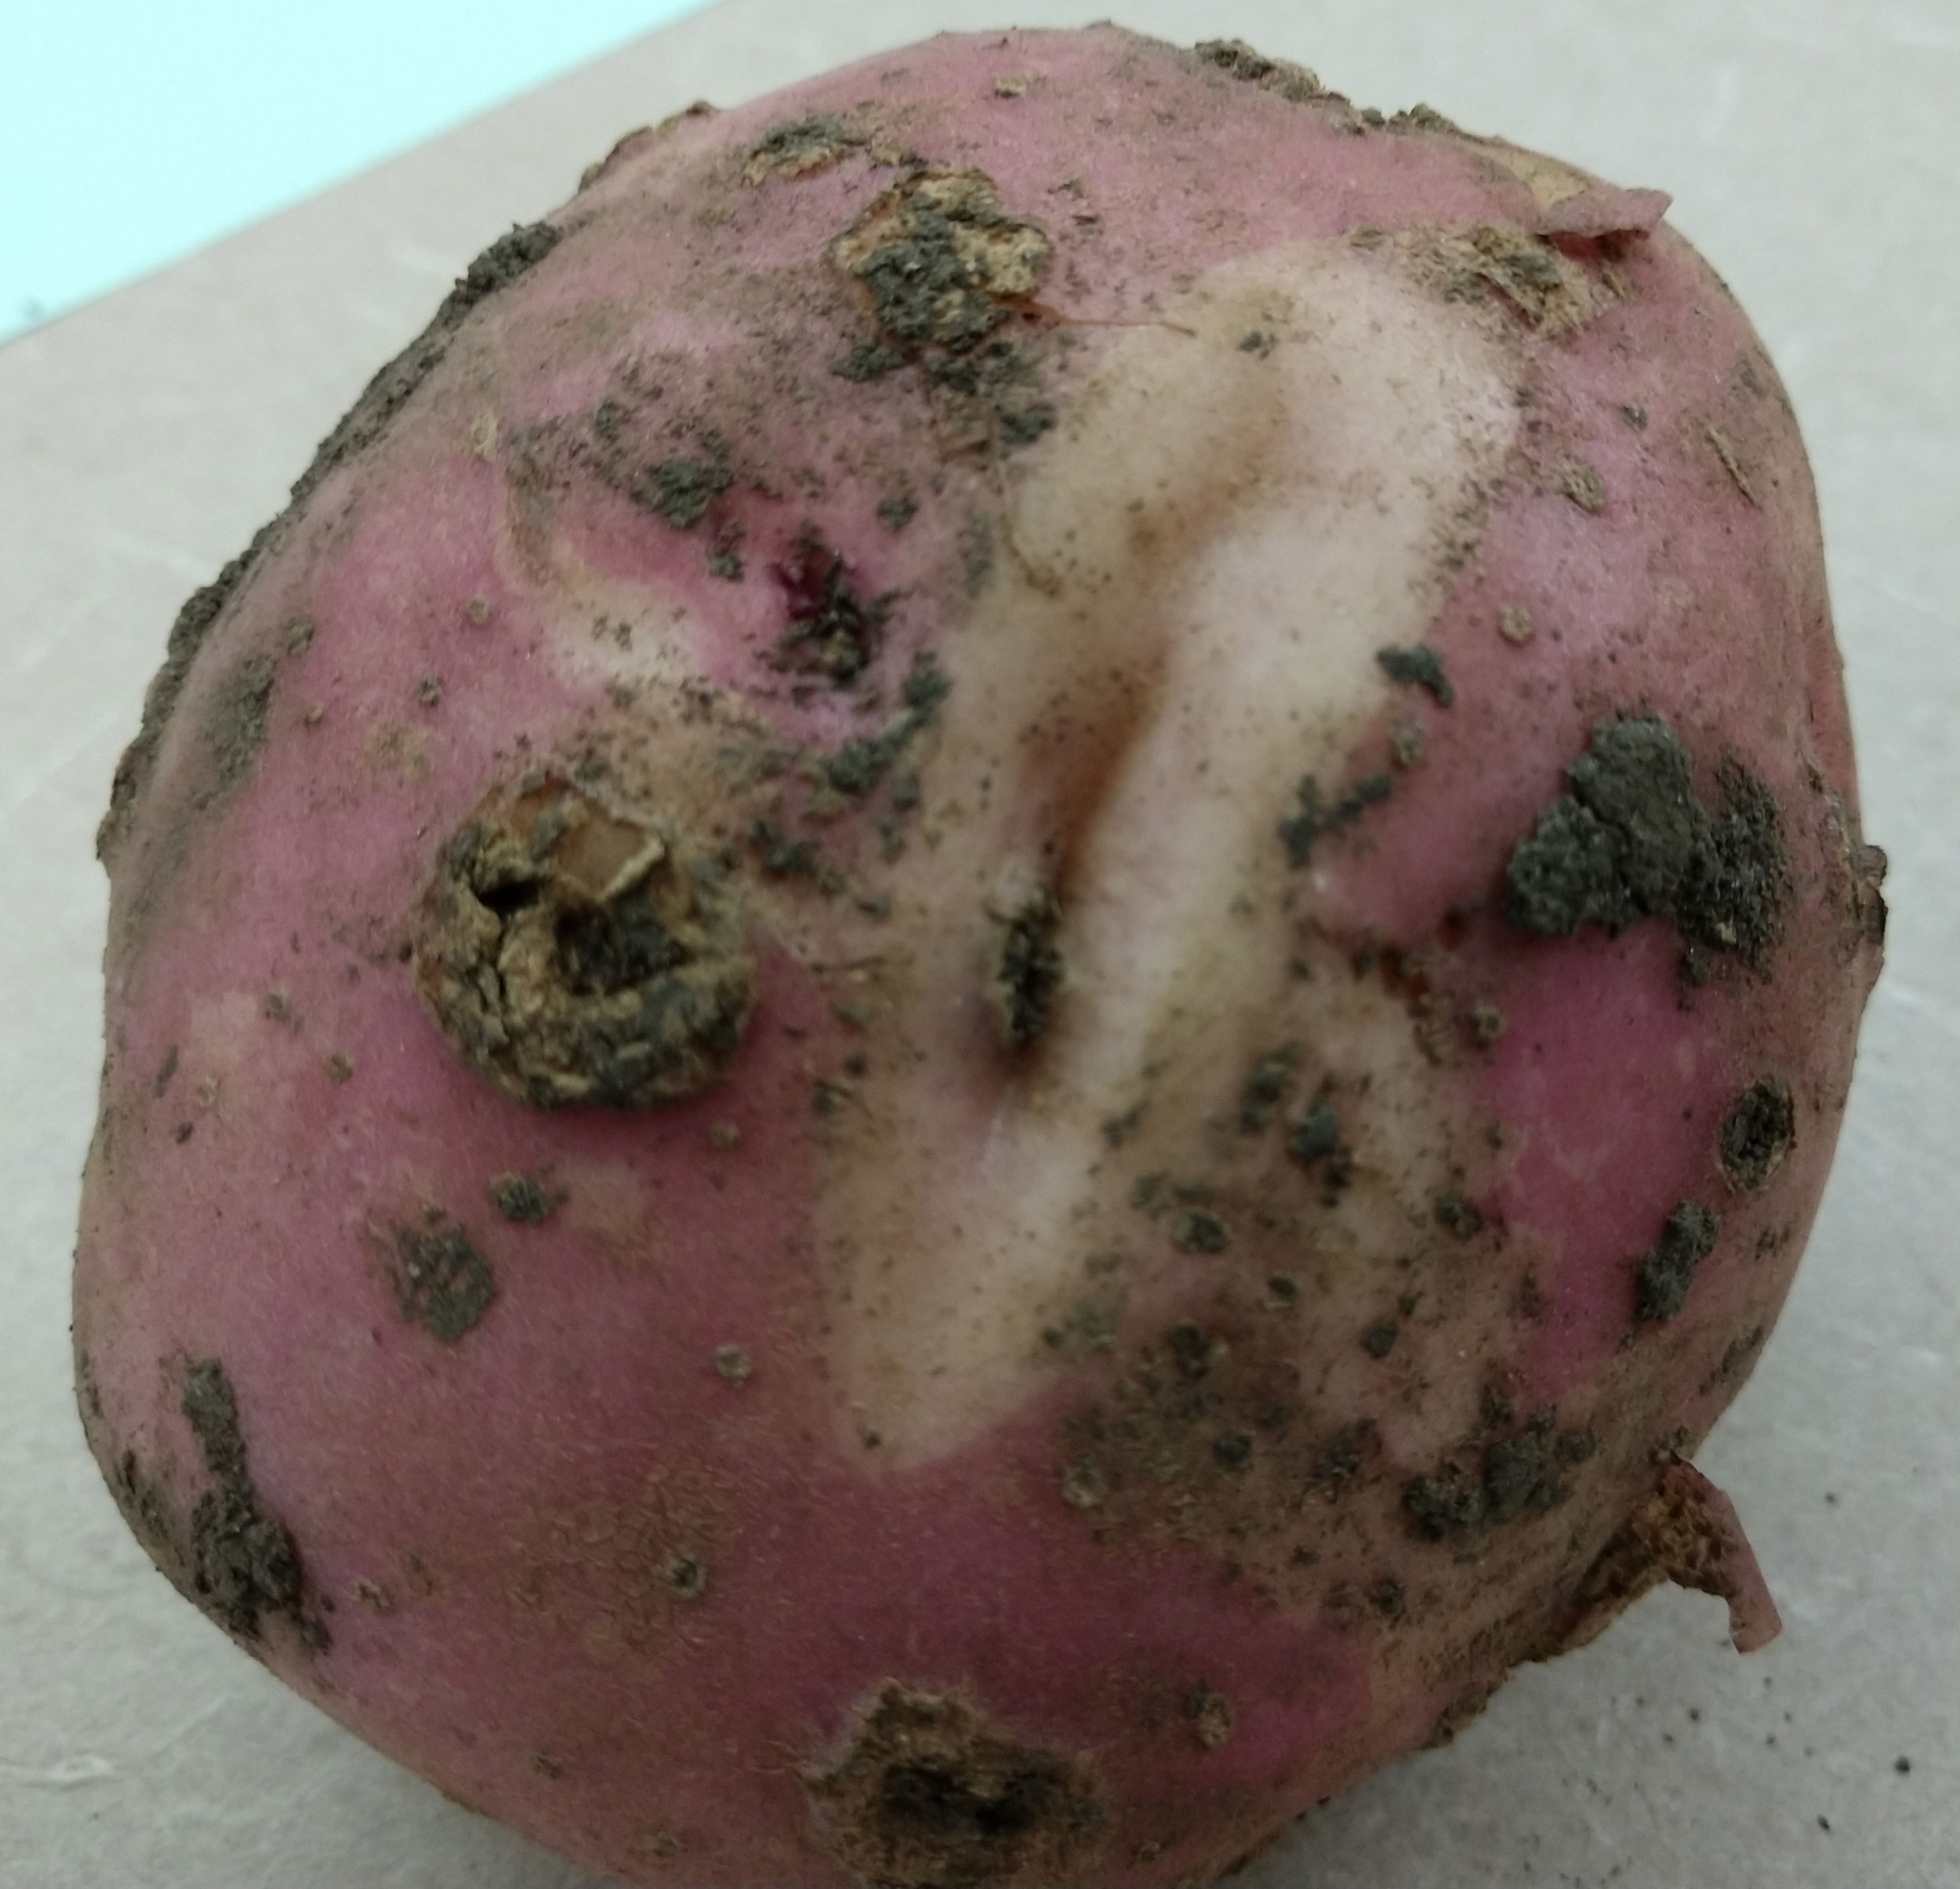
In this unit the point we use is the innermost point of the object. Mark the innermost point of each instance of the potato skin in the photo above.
(958, 1027)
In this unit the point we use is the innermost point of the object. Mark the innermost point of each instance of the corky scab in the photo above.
(521, 1198)
(860, 765)
(441, 1282)
(1418, 666)
(1632, 840)
(833, 632)
(574, 951)
(1239, 61)
(1668, 1269)
(946, 266)
(1757, 1133)
(1514, 1477)
(1313, 816)
(1028, 969)
(680, 490)
(930, 1793)
(1265, 1088)
(243, 1565)
(235, 724)
(800, 147)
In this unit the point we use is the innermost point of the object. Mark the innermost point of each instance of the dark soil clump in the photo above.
(1631, 840)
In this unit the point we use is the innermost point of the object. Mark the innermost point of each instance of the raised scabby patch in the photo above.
(243, 1564)
(931, 1791)
(575, 951)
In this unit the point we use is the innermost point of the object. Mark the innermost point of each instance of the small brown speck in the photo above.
(1487, 1023)
(723, 1134)
(1083, 1485)
(299, 636)
(1210, 1716)
(1733, 465)
(1634, 414)
(1010, 88)
(1514, 625)
(181, 1134)
(339, 1068)
(278, 1006)
(520, 1198)
(1583, 486)
(1196, 1230)
(1405, 744)
(734, 1362)
(315, 713)
(477, 610)
(429, 690)
(207, 1093)
(369, 1595)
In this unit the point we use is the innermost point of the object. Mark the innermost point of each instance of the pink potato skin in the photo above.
(645, 1598)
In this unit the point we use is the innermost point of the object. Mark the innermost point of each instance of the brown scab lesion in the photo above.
(1313, 816)
(243, 1566)
(1238, 60)
(1509, 1478)
(680, 490)
(1548, 290)
(1209, 1716)
(1266, 1087)
(523, 1198)
(572, 950)
(930, 1791)
(1028, 970)
(799, 148)
(946, 267)
(1757, 1133)
(1667, 1270)
(1632, 839)
(1419, 665)
(441, 1282)
(834, 632)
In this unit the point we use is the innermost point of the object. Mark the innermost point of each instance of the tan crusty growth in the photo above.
(930, 1791)
(575, 951)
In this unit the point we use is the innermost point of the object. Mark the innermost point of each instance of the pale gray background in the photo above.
(1813, 147)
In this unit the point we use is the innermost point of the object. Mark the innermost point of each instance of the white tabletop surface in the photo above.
(1813, 149)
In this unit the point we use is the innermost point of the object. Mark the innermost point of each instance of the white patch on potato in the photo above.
(1242, 506)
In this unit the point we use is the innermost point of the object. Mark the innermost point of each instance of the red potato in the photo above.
(963, 1020)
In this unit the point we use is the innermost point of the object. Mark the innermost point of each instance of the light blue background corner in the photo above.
(131, 134)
